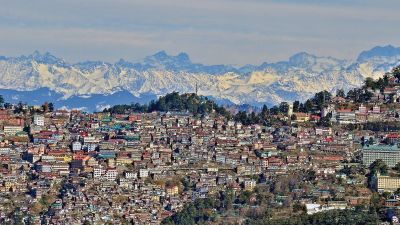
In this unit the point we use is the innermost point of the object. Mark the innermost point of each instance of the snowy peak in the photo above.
(303, 60)
(91, 65)
(45, 58)
(163, 57)
(180, 63)
(162, 61)
(379, 51)
(298, 78)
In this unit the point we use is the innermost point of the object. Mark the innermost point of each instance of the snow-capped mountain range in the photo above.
(93, 85)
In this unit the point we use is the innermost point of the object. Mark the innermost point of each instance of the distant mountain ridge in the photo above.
(100, 83)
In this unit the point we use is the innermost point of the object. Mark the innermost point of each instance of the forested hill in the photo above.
(174, 101)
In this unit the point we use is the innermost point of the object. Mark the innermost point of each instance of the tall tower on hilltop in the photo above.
(290, 110)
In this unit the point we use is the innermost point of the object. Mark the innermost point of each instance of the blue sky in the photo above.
(210, 31)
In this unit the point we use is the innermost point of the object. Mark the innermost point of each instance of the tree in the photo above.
(227, 199)
(375, 200)
(45, 107)
(321, 98)
(397, 167)
(308, 106)
(370, 141)
(264, 112)
(51, 107)
(274, 110)
(340, 93)
(7, 105)
(370, 83)
(242, 117)
(1, 100)
(378, 166)
(396, 72)
(244, 197)
(283, 107)
(325, 120)
(296, 106)
(311, 175)
(298, 207)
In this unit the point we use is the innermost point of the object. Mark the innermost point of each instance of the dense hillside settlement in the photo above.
(333, 159)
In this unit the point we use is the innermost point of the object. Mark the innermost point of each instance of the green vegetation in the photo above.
(378, 126)
(199, 211)
(397, 167)
(396, 72)
(200, 105)
(333, 217)
(210, 210)
(174, 102)
(379, 166)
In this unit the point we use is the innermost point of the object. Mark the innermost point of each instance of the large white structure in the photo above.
(143, 173)
(111, 174)
(316, 208)
(76, 146)
(97, 172)
(390, 154)
(290, 110)
(38, 120)
(386, 183)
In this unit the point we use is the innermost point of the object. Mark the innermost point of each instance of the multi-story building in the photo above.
(345, 116)
(97, 172)
(143, 173)
(390, 154)
(12, 130)
(38, 120)
(111, 174)
(76, 146)
(386, 183)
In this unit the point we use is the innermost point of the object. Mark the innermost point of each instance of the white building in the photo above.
(130, 175)
(386, 183)
(249, 184)
(97, 172)
(76, 146)
(376, 109)
(90, 139)
(38, 120)
(91, 147)
(290, 110)
(345, 116)
(315, 208)
(143, 173)
(111, 174)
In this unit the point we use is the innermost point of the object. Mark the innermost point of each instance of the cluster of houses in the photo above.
(71, 166)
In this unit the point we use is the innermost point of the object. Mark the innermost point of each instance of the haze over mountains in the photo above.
(93, 85)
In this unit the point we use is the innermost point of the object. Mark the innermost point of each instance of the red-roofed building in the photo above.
(393, 138)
